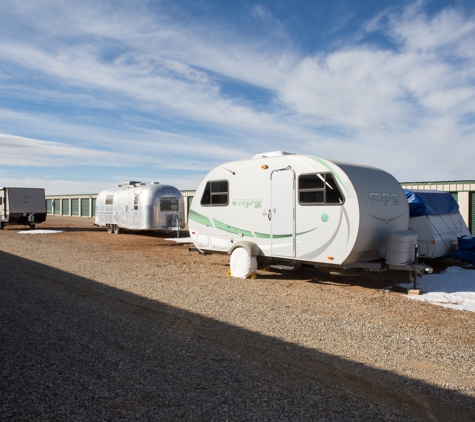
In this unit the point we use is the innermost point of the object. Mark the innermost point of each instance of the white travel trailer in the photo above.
(282, 207)
(138, 206)
(22, 206)
(435, 217)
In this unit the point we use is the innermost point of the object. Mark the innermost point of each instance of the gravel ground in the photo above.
(108, 327)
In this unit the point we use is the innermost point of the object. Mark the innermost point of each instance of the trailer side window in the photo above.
(136, 202)
(169, 204)
(320, 189)
(215, 193)
(109, 199)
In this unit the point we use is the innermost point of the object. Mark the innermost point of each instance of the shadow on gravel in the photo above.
(75, 349)
(56, 227)
(365, 279)
(161, 234)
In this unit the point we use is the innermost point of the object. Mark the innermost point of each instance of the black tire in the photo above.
(116, 229)
(110, 228)
(32, 226)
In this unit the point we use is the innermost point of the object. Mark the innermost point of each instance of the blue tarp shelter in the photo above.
(435, 216)
(430, 202)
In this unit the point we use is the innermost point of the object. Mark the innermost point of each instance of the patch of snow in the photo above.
(453, 288)
(181, 239)
(42, 231)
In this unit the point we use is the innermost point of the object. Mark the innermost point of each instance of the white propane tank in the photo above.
(401, 248)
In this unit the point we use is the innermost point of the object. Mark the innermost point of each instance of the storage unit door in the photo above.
(85, 207)
(65, 206)
(75, 206)
(190, 200)
(49, 207)
(472, 213)
(93, 209)
(57, 207)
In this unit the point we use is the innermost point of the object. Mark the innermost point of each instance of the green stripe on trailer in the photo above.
(199, 218)
(281, 236)
(230, 229)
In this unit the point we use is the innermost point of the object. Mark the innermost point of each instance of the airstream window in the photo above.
(109, 199)
(319, 188)
(169, 204)
(136, 202)
(215, 193)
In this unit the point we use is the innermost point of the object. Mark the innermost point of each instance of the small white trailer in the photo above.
(138, 206)
(435, 217)
(25, 206)
(283, 207)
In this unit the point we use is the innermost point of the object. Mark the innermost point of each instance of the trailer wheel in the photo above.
(109, 228)
(32, 226)
(116, 229)
(242, 264)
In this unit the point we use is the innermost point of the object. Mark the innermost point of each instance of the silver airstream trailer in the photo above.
(138, 206)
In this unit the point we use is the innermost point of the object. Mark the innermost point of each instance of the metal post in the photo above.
(416, 260)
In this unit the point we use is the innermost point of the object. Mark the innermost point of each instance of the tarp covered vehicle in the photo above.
(436, 218)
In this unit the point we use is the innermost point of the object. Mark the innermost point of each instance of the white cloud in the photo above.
(362, 86)
(55, 186)
(71, 185)
(19, 151)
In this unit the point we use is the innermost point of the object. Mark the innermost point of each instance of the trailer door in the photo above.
(282, 213)
(130, 210)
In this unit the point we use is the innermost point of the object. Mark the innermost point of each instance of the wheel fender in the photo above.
(250, 247)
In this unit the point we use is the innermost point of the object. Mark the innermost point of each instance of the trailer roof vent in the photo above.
(131, 183)
(272, 154)
(155, 183)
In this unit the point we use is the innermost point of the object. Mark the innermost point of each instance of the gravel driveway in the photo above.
(96, 326)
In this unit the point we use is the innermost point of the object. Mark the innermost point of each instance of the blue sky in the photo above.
(94, 93)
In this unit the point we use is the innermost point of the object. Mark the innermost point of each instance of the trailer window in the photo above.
(169, 204)
(215, 193)
(319, 188)
(109, 199)
(136, 202)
